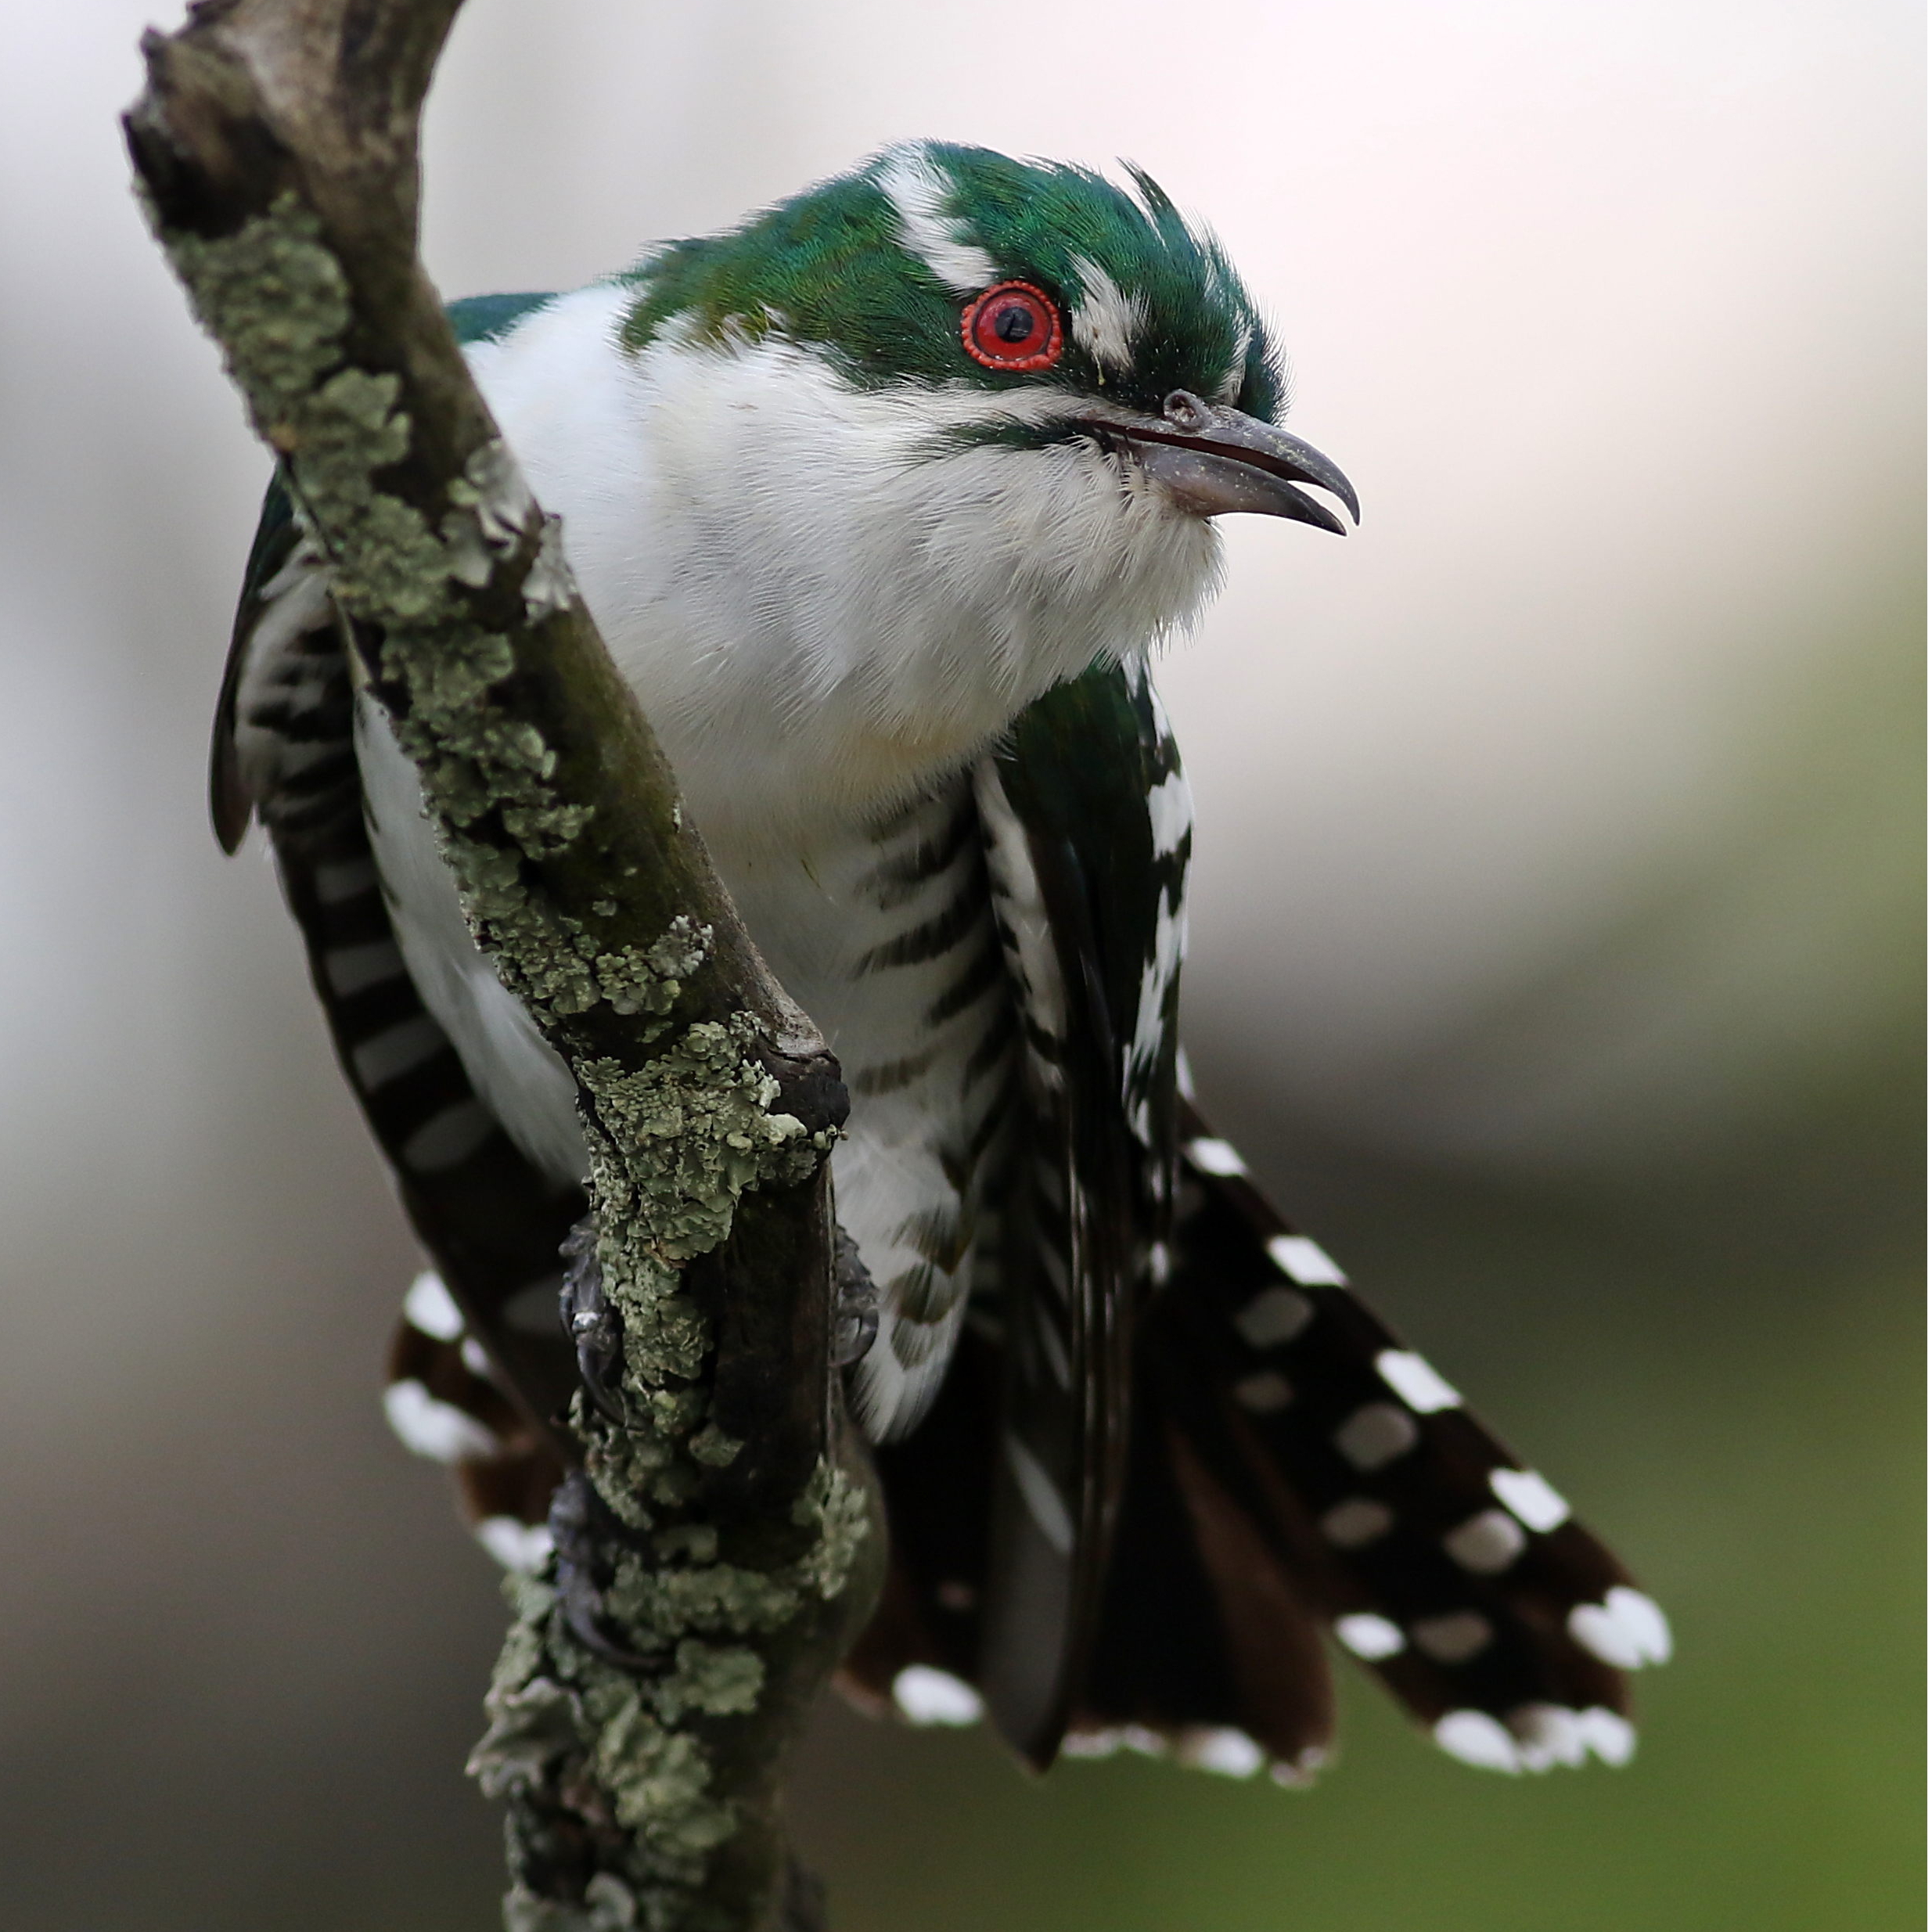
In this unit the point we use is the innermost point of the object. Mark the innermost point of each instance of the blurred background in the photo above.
(1555, 953)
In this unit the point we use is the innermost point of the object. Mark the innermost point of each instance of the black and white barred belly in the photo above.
(888, 940)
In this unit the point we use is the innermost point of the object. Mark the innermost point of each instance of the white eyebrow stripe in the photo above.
(1108, 319)
(927, 231)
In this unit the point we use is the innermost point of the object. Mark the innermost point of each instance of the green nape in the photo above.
(483, 318)
(829, 269)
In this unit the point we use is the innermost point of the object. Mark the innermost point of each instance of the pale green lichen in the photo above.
(560, 1714)
(840, 1511)
(273, 298)
(660, 1604)
(716, 1680)
(713, 1447)
(650, 979)
(692, 1131)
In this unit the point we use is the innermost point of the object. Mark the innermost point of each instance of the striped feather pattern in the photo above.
(1294, 1474)
(284, 749)
(1067, 1268)
(909, 987)
(1165, 1574)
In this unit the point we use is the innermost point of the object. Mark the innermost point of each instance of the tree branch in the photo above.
(720, 1540)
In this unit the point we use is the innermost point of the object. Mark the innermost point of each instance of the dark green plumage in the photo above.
(828, 268)
(483, 318)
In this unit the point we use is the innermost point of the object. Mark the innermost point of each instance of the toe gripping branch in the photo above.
(592, 1323)
(855, 1312)
(581, 1522)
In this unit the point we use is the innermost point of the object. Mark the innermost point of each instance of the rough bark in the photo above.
(720, 1540)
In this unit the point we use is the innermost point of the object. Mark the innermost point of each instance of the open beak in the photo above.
(1214, 460)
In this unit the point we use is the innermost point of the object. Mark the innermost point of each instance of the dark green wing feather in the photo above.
(1089, 880)
(284, 751)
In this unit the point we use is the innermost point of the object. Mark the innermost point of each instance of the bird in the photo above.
(884, 501)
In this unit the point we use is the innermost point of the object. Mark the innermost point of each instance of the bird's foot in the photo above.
(595, 1330)
(855, 1303)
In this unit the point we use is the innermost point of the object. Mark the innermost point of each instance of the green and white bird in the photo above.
(881, 501)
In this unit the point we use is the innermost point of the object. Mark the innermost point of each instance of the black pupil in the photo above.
(1014, 322)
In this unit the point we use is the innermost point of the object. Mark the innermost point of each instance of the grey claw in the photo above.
(855, 1304)
(577, 1594)
(592, 1324)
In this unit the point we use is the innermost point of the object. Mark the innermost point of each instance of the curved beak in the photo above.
(1215, 461)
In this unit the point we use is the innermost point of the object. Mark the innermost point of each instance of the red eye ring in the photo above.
(1013, 325)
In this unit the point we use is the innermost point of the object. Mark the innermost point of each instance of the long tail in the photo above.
(1296, 1472)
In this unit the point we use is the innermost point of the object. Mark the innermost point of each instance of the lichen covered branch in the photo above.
(719, 1540)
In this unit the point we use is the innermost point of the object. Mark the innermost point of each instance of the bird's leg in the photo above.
(592, 1324)
(578, 1521)
(855, 1306)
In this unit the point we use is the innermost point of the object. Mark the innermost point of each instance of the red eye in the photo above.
(1011, 326)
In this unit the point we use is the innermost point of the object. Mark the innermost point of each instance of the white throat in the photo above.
(820, 615)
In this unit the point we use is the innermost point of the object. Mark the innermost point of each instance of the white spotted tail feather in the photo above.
(446, 1400)
(1458, 1575)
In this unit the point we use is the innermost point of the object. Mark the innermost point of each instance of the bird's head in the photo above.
(912, 448)
(1046, 306)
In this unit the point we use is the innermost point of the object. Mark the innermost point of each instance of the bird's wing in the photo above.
(284, 751)
(1005, 1499)
(1205, 1453)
